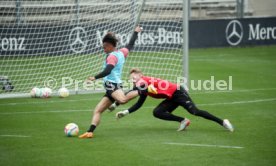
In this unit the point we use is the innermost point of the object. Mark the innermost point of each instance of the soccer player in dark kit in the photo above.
(174, 96)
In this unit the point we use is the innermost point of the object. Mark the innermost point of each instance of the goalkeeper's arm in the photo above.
(133, 108)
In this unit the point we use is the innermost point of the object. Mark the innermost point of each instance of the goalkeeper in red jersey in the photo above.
(174, 96)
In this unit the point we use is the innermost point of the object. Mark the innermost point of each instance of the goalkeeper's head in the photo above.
(109, 42)
(135, 75)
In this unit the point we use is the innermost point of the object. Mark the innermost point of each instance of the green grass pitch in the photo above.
(141, 139)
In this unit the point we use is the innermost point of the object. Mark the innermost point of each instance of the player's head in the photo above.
(135, 75)
(109, 42)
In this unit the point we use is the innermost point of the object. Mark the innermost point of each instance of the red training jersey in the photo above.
(165, 89)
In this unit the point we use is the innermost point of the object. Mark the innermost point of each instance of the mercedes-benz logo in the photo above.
(78, 39)
(234, 32)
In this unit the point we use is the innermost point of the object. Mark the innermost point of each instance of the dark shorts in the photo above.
(111, 87)
(182, 98)
(179, 98)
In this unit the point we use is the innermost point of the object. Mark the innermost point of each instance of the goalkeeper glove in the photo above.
(152, 89)
(121, 114)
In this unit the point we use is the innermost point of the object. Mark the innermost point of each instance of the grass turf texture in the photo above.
(139, 139)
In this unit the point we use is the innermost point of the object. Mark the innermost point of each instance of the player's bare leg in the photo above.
(129, 96)
(122, 99)
(100, 108)
(119, 96)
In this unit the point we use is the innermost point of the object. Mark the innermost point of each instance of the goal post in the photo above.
(48, 43)
(185, 44)
(162, 49)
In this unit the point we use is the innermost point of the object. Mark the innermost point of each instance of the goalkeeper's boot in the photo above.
(184, 124)
(86, 135)
(112, 107)
(228, 125)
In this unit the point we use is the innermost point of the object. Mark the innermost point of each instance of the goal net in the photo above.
(51, 43)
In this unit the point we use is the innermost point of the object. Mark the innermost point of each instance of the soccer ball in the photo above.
(35, 92)
(46, 92)
(71, 130)
(63, 92)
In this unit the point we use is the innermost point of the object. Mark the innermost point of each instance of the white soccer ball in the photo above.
(71, 130)
(46, 92)
(63, 92)
(35, 92)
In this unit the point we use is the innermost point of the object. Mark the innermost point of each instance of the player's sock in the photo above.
(92, 128)
(197, 112)
(209, 116)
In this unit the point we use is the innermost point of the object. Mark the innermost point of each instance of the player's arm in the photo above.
(133, 38)
(133, 108)
(131, 43)
(105, 72)
(111, 61)
(138, 104)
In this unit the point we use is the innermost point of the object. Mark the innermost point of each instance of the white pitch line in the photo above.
(204, 145)
(240, 102)
(234, 91)
(64, 111)
(208, 104)
(41, 112)
(230, 60)
(17, 136)
(95, 99)
(53, 101)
